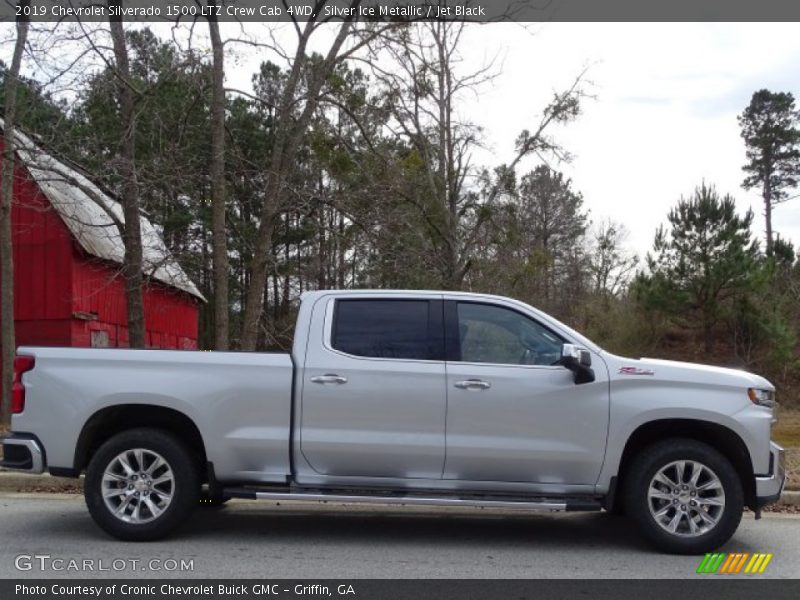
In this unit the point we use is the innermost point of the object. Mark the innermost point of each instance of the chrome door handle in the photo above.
(473, 384)
(329, 378)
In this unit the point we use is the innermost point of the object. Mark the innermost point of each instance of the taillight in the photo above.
(22, 364)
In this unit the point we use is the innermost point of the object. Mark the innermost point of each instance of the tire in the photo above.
(147, 507)
(705, 512)
(617, 509)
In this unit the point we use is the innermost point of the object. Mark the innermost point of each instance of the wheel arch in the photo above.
(109, 421)
(719, 437)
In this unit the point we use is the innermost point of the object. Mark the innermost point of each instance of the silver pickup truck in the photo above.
(397, 397)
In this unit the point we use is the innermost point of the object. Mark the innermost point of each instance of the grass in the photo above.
(787, 433)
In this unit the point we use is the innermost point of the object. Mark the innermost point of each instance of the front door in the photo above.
(514, 415)
(373, 390)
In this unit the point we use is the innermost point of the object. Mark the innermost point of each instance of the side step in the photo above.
(528, 504)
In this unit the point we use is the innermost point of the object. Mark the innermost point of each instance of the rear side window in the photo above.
(383, 328)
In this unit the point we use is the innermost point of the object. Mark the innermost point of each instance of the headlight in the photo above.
(762, 397)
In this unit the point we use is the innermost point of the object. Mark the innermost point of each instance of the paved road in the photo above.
(265, 540)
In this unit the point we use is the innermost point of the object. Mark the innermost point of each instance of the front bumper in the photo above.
(22, 453)
(769, 487)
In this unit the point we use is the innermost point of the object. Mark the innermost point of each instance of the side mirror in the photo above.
(579, 361)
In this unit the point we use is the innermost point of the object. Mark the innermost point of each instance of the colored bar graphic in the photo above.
(731, 564)
(757, 564)
(741, 562)
(704, 563)
(749, 566)
(726, 565)
(718, 563)
(767, 558)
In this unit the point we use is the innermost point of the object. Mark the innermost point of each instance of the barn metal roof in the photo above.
(92, 214)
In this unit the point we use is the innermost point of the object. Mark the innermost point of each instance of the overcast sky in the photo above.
(664, 117)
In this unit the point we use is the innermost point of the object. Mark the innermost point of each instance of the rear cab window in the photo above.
(388, 328)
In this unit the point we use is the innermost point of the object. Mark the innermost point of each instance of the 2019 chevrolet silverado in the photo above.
(403, 397)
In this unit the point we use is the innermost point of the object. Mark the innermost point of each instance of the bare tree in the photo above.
(552, 223)
(296, 106)
(7, 338)
(219, 259)
(133, 260)
(612, 265)
(424, 85)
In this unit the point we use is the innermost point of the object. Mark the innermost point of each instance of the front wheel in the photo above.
(685, 495)
(141, 484)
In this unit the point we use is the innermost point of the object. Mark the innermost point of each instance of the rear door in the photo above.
(373, 390)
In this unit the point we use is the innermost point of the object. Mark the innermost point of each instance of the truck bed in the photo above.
(240, 401)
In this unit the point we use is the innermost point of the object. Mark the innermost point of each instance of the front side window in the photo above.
(493, 334)
(382, 328)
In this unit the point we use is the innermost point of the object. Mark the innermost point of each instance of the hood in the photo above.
(682, 372)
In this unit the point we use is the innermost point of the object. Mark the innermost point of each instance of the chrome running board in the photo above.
(412, 500)
(528, 504)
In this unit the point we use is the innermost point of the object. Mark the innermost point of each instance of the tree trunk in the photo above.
(768, 213)
(217, 169)
(132, 262)
(286, 262)
(7, 338)
(341, 270)
(708, 337)
(322, 254)
(454, 276)
(289, 135)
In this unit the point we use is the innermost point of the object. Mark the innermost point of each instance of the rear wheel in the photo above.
(685, 495)
(141, 484)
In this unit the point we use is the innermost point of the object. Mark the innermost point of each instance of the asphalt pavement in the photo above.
(52, 535)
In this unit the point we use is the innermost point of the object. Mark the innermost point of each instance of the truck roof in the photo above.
(392, 292)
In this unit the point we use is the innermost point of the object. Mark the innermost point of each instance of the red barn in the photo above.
(68, 285)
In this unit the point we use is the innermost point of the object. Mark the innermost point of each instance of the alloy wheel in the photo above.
(138, 485)
(686, 498)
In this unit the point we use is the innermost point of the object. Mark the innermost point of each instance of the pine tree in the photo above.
(705, 259)
(770, 131)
